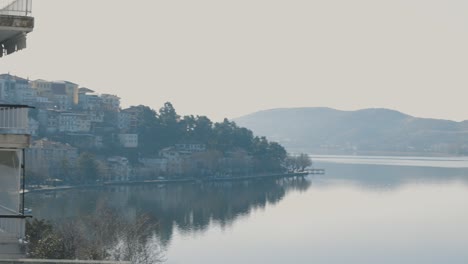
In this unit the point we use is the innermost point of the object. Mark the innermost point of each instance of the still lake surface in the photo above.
(364, 210)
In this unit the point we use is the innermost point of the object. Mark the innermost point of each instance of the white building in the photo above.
(48, 157)
(190, 148)
(63, 94)
(16, 90)
(119, 169)
(95, 116)
(110, 102)
(170, 153)
(74, 122)
(88, 100)
(154, 164)
(128, 140)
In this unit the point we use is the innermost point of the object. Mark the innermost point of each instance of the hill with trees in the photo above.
(367, 131)
(226, 150)
(165, 128)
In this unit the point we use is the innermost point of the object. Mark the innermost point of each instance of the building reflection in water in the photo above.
(188, 207)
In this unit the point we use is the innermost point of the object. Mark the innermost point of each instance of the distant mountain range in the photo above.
(366, 132)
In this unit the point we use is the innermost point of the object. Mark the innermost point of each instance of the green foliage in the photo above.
(106, 236)
(88, 168)
(44, 242)
(297, 163)
(164, 128)
(269, 156)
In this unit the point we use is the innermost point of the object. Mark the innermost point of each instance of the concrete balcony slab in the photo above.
(13, 141)
(13, 30)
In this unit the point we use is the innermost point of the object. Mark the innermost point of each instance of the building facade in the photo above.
(128, 140)
(51, 159)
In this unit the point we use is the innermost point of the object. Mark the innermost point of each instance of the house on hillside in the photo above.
(50, 158)
(119, 169)
(188, 148)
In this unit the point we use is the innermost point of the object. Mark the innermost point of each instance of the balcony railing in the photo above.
(15, 7)
(13, 119)
(11, 222)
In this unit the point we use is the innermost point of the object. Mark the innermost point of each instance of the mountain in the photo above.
(369, 131)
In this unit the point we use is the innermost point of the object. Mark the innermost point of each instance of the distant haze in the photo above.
(364, 132)
(231, 58)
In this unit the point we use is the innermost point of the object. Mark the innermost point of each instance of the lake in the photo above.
(364, 210)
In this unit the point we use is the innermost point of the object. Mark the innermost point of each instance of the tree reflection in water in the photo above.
(189, 207)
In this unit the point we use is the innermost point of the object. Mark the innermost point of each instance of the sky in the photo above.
(231, 58)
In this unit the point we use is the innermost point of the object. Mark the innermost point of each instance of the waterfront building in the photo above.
(119, 169)
(152, 166)
(51, 159)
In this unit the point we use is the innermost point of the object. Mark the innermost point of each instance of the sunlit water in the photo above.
(364, 210)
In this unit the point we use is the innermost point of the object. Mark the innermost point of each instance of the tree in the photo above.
(66, 170)
(148, 128)
(171, 129)
(43, 242)
(91, 238)
(297, 163)
(88, 168)
(168, 114)
(197, 129)
(303, 161)
(290, 163)
(269, 156)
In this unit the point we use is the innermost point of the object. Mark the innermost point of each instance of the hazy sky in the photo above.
(230, 58)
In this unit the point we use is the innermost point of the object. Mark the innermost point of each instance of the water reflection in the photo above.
(194, 207)
(189, 207)
(372, 177)
(356, 213)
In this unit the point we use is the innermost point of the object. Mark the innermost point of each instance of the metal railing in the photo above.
(13, 117)
(16, 7)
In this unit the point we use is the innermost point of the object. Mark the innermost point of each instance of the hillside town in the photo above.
(68, 120)
(72, 115)
(80, 136)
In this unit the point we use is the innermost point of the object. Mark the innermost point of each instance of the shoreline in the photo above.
(184, 180)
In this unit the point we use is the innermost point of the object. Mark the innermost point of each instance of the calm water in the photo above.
(364, 210)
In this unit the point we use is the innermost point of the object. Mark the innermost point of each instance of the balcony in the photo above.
(14, 119)
(12, 222)
(15, 23)
(12, 218)
(14, 132)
